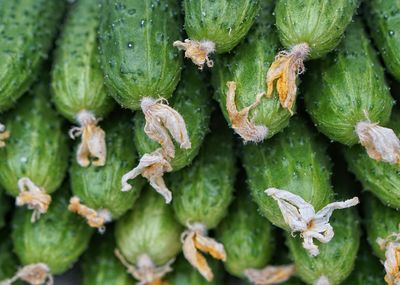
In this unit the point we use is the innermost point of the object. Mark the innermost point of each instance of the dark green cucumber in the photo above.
(347, 88)
(27, 29)
(8, 260)
(383, 19)
(136, 50)
(77, 79)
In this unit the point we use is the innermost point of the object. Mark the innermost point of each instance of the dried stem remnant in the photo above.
(285, 68)
(195, 240)
(197, 51)
(270, 274)
(34, 274)
(391, 245)
(33, 196)
(240, 119)
(93, 140)
(381, 143)
(145, 270)
(3, 135)
(301, 217)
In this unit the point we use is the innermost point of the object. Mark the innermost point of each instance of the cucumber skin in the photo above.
(149, 228)
(37, 147)
(27, 29)
(57, 239)
(247, 237)
(8, 260)
(247, 65)
(193, 102)
(203, 191)
(100, 187)
(77, 79)
(383, 19)
(223, 22)
(319, 23)
(136, 51)
(294, 160)
(352, 80)
(336, 259)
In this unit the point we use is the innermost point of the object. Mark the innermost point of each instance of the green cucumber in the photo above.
(215, 26)
(8, 260)
(99, 188)
(383, 19)
(136, 50)
(148, 238)
(100, 266)
(246, 68)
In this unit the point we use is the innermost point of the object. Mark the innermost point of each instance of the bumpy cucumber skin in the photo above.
(247, 66)
(8, 260)
(4, 207)
(247, 237)
(77, 79)
(57, 239)
(136, 51)
(100, 187)
(27, 29)
(224, 23)
(193, 102)
(150, 228)
(319, 23)
(341, 88)
(37, 147)
(203, 191)
(336, 258)
(380, 222)
(100, 265)
(383, 19)
(295, 161)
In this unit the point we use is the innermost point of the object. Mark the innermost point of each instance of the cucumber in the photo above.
(190, 95)
(383, 20)
(351, 97)
(215, 26)
(66, 237)
(253, 116)
(148, 239)
(203, 193)
(4, 207)
(100, 266)
(97, 195)
(34, 163)
(8, 260)
(309, 30)
(78, 87)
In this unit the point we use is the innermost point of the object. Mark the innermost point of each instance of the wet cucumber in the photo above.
(8, 260)
(245, 70)
(97, 191)
(78, 86)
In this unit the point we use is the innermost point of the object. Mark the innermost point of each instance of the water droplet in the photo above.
(203, 14)
(142, 23)
(130, 45)
(24, 159)
(391, 33)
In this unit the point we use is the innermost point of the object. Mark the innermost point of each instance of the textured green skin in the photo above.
(340, 88)
(152, 66)
(193, 102)
(247, 66)
(8, 260)
(27, 29)
(336, 259)
(4, 207)
(295, 161)
(247, 237)
(380, 222)
(57, 239)
(37, 147)
(100, 266)
(203, 191)
(223, 22)
(381, 178)
(100, 187)
(77, 79)
(383, 19)
(319, 23)
(150, 228)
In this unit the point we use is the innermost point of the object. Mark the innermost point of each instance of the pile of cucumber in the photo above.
(174, 142)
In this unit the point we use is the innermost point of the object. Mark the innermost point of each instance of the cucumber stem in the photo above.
(270, 275)
(34, 274)
(197, 51)
(3, 135)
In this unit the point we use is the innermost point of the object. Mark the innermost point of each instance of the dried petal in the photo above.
(391, 245)
(34, 274)
(300, 216)
(197, 51)
(381, 143)
(240, 119)
(322, 281)
(3, 135)
(270, 274)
